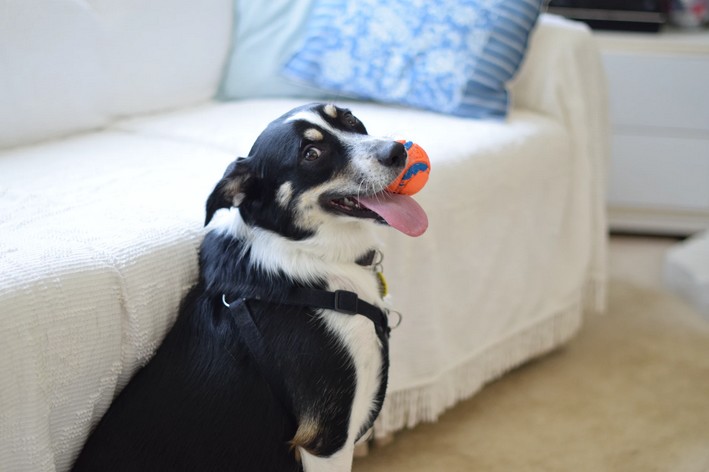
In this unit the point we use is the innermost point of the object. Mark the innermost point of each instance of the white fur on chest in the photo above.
(358, 335)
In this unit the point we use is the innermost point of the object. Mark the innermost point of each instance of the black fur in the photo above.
(201, 403)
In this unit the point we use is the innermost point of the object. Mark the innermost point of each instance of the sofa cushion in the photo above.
(162, 54)
(51, 76)
(215, 125)
(68, 66)
(453, 56)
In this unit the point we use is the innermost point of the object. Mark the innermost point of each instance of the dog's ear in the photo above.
(231, 190)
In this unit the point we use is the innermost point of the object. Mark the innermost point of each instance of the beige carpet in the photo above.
(630, 393)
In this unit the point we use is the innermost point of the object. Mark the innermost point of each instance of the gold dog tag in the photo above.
(383, 287)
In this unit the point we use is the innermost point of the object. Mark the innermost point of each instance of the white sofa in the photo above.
(112, 142)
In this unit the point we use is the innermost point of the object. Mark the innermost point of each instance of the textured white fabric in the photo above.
(67, 66)
(563, 77)
(99, 233)
(98, 244)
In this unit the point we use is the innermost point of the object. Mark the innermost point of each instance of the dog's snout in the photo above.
(392, 154)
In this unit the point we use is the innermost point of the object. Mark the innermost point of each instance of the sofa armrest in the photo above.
(563, 78)
(562, 64)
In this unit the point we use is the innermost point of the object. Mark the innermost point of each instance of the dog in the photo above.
(252, 377)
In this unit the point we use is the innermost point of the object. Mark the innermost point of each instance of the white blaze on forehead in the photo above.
(348, 138)
(313, 134)
(314, 118)
(331, 110)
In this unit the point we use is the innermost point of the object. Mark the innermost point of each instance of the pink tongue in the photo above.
(400, 211)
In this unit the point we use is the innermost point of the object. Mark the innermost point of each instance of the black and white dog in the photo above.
(278, 359)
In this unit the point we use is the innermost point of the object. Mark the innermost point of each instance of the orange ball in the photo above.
(415, 174)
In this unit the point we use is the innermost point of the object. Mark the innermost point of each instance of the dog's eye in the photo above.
(311, 153)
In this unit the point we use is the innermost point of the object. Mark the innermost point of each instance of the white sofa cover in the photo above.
(99, 231)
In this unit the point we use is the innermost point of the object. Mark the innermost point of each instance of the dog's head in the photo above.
(313, 166)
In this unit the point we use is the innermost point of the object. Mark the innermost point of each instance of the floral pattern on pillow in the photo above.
(451, 56)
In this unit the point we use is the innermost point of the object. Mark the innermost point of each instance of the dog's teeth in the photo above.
(347, 203)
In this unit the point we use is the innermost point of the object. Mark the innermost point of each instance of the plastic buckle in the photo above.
(346, 302)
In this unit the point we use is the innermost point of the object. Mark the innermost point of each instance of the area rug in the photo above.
(629, 393)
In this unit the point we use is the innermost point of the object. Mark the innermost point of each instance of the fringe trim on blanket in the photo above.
(407, 408)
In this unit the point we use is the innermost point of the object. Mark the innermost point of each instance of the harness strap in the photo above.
(342, 301)
(256, 346)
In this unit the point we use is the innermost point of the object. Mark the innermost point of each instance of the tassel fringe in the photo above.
(407, 408)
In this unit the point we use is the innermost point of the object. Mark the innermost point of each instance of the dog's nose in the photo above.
(392, 154)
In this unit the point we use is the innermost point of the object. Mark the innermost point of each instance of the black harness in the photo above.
(341, 301)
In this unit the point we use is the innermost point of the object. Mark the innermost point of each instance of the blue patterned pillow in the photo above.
(450, 56)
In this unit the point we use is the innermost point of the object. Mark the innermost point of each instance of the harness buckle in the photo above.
(346, 302)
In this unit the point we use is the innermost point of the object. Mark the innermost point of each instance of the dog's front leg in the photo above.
(341, 461)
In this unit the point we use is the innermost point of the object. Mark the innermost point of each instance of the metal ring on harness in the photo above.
(400, 318)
